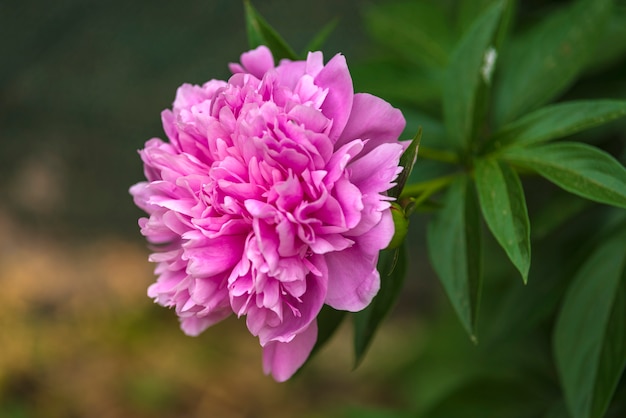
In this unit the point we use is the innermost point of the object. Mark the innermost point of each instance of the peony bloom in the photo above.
(268, 201)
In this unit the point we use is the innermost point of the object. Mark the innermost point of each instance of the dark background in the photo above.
(82, 85)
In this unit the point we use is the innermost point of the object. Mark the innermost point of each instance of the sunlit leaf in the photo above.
(503, 206)
(559, 120)
(467, 75)
(454, 247)
(578, 168)
(588, 339)
(261, 33)
(541, 63)
(392, 268)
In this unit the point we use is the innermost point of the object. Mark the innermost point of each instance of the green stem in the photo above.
(438, 155)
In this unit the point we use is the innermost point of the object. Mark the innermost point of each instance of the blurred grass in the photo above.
(80, 338)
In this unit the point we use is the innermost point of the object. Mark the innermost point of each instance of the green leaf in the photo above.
(319, 40)
(466, 77)
(417, 31)
(392, 268)
(454, 247)
(503, 206)
(261, 33)
(587, 336)
(407, 161)
(578, 168)
(539, 65)
(613, 355)
(559, 120)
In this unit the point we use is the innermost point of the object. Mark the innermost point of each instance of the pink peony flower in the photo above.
(269, 200)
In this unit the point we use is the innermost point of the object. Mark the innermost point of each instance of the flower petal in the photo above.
(282, 360)
(336, 78)
(256, 62)
(353, 279)
(372, 119)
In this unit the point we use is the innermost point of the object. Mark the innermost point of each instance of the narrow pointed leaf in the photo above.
(261, 33)
(454, 248)
(465, 77)
(392, 268)
(584, 333)
(578, 168)
(559, 120)
(407, 161)
(540, 64)
(503, 206)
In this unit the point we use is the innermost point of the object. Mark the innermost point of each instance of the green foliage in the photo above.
(467, 75)
(558, 120)
(454, 248)
(577, 168)
(504, 208)
(541, 63)
(497, 92)
(589, 340)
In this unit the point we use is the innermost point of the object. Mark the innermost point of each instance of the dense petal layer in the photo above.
(269, 200)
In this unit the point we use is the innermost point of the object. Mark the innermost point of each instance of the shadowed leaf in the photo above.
(454, 247)
(589, 341)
